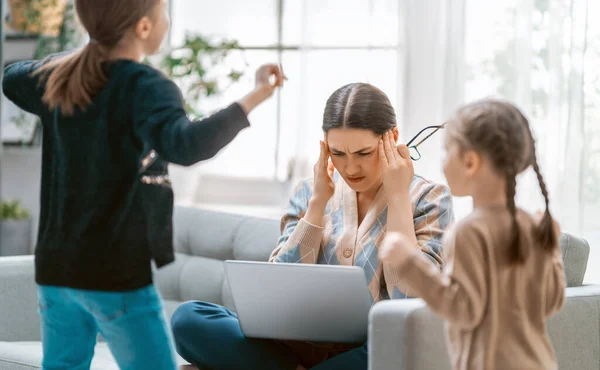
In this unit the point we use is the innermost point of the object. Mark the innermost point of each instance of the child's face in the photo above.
(455, 170)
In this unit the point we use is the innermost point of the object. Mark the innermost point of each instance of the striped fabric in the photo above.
(341, 241)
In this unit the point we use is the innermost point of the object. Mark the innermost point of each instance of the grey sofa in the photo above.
(403, 334)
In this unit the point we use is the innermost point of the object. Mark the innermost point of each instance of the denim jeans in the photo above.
(209, 336)
(132, 323)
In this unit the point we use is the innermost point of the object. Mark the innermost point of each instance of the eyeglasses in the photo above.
(415, 155)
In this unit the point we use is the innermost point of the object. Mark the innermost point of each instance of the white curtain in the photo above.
(543, 75)
(531, 53)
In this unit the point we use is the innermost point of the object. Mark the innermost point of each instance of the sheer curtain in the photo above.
(537, 60)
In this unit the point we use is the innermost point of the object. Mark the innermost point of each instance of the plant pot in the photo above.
(15, 237)
(43, 17)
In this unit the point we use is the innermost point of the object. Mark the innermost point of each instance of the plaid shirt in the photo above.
(341, 241)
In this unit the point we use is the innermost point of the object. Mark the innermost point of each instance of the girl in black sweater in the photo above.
(110, 126)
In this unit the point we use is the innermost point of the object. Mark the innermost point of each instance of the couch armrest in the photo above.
(405, 335)
(575, 252)
(19, 320)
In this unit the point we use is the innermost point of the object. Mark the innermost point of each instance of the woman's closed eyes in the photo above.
(362, 153)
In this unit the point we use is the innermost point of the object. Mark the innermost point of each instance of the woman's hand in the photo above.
(264, 87)
(324, 187)
(396, 167)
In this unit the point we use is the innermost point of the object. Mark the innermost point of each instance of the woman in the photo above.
(362, 185)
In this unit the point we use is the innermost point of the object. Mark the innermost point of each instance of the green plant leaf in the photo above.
(12, 210)
(194, 66)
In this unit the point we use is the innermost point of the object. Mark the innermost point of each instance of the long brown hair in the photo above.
(359, 105)
(73, 81)
(499, 130)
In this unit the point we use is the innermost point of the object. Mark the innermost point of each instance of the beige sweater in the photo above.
(495, 311)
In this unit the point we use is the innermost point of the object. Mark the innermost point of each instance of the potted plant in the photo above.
(41, 17)
(197, 67)
(30, 17)
(15, 229)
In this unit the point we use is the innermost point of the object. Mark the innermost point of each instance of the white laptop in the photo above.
(320, 303)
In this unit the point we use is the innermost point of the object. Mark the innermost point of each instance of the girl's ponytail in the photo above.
(73, 81)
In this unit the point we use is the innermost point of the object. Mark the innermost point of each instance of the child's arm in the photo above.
(300, 241)
(432, 215)
(161, 120)
(556, 284)
(21, 87)
(459, 292)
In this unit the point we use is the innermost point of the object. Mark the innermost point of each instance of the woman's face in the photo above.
(354, 153)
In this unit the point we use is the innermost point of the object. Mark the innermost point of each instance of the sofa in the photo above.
(403, 334)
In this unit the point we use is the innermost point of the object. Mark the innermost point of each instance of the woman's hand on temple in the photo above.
(324, 185)
(323, 188)
(264, 87)
(396, 167)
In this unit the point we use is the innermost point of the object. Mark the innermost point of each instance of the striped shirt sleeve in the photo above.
(300, 241)
(433, 214)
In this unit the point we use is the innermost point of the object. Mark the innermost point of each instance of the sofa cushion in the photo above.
(575, 330)
(28, 356)
(203, 240)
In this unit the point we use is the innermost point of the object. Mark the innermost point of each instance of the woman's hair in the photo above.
(73, 81)
(359, 105)
(499, 131)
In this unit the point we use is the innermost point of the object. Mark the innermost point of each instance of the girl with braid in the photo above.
(503, 274)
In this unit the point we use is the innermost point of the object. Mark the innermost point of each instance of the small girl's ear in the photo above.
(396, 134)
(472, 161)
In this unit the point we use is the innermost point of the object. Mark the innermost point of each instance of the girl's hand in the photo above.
(263, 79)
(396, 167)
(324, 186)
(264, 86)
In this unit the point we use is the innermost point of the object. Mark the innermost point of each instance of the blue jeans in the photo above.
(209, 336)
(132, 323)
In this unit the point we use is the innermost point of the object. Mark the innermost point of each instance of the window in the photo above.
(322, 45)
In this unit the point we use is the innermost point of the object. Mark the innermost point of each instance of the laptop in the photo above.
(289, 301)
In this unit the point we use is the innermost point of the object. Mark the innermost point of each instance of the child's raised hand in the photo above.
(268, 78)
(395, 248)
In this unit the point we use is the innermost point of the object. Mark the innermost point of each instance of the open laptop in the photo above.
(320, 303)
